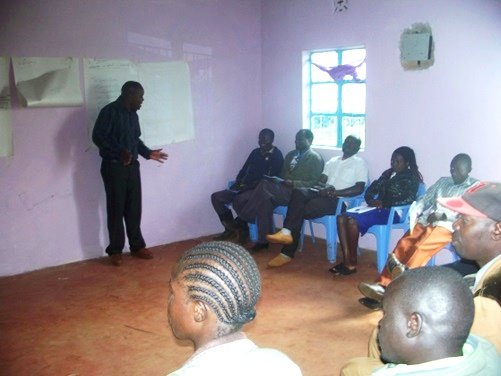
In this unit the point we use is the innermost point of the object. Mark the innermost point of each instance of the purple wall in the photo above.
(451, 107)
(51, 195)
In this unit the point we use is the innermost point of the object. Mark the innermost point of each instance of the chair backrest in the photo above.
(403, 210)
(351, 202)
(382, 232)
(421, 190)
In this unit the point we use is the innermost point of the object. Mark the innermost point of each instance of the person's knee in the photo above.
(262, 185)
(299, 193)
(351, 222)
(213, 197)
(341, 220)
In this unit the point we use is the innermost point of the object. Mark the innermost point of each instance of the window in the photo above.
(334, 95)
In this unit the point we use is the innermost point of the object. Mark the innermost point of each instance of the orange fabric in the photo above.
(485, 324)
(416, 249)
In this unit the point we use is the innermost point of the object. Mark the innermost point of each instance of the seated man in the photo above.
(476, 237)
(265, 160)
(213, 291)
(431, 233)
(302, 168)
(428, 313)
(344, 175)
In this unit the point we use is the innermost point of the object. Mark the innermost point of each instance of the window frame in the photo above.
(309, 84)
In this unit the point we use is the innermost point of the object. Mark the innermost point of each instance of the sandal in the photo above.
(370, 303)
(342, 269)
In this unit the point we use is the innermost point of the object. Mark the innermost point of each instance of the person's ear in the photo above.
(496, 234)
(414, 325)
(199, 311)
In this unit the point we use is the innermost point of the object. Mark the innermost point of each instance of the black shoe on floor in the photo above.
(370, 303)
(342, 269)
(224, 235)
(243, 236)
(258, 247)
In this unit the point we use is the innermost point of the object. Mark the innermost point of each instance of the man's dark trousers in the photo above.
(305, 204)
(123, 202)
(219, 201)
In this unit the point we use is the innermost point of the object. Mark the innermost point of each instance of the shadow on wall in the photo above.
(75, 153)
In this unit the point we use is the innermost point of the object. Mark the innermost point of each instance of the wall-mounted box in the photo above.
(416, 47)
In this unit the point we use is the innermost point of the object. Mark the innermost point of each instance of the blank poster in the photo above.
(166, 115)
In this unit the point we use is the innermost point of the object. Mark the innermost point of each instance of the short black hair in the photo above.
(225, 277)
(355, 138)
(130, 87)
(307, 134)
(445, 293)
(269, 132)
(462, 158)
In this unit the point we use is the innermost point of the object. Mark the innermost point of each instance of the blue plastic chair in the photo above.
(383, 232)
(253, 233)
(329, 222)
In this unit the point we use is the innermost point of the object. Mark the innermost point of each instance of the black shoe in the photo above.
(258, 247)
(372, 291)
(243, 236)
(224, 235)
(342, 269)
(229, 224)
(370, 303)
(116, 259)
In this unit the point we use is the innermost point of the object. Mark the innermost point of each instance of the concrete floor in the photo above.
(89, 318)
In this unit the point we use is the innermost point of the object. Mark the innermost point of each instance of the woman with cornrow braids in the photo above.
(213, 291)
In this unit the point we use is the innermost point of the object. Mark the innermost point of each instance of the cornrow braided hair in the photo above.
(224, 276)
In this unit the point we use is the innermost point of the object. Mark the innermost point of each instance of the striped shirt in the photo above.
(428, 204)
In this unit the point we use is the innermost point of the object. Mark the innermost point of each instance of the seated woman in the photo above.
(396, 186)
(214, 289)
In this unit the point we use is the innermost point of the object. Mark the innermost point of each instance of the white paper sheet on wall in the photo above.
(167, 105)
(5, 116)
(166, 115)
(47, 82)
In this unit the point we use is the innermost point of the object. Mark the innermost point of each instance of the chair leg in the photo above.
(301, 239)
(312, 233)
(331, 240)
(253, 232)
(382, 248)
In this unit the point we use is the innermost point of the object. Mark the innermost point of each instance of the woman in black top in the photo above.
(396, 186)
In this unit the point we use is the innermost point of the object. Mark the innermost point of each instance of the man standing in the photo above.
(265, 160)
(116, 134)
(432, 232)
(302, 168)
(344, 175)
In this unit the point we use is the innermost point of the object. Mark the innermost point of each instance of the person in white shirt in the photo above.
(344, 175)
(213, 291)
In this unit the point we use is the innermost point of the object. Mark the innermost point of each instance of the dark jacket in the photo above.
(259, 164)
(401, 189)
(117, 129)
